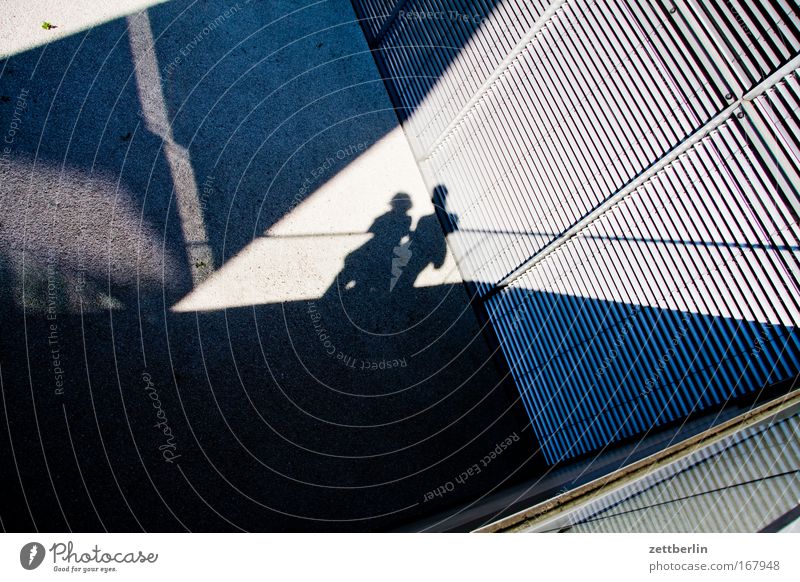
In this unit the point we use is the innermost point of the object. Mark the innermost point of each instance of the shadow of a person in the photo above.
(366, 269)
(424, 247)
(448, 220)
(376, 285)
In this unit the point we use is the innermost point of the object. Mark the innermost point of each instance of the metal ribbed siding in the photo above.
(468, 40)
(739, 484)
(598, 95)
(374, 14)
(605, 169)
(775, 117)
(752, 37)
(700, 263)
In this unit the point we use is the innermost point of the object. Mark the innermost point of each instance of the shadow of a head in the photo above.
(401, 202)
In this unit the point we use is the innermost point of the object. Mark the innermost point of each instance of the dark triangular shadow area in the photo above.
(274, 417)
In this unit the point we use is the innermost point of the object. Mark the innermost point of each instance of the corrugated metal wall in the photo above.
(742, 483)
(621, 185)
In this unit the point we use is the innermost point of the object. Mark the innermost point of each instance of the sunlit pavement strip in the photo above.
(22, 28)
(300, 256)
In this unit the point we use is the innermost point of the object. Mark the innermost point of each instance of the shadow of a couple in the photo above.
(377, 281)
